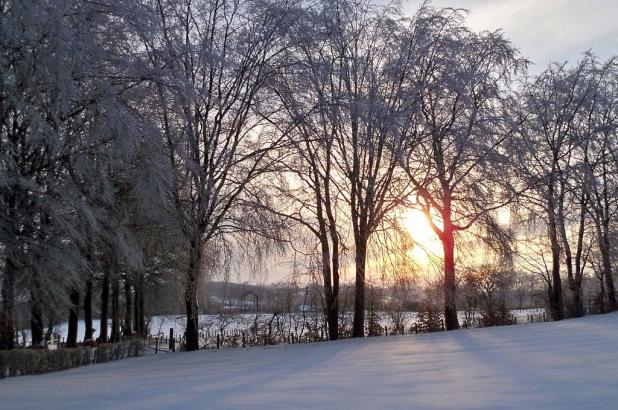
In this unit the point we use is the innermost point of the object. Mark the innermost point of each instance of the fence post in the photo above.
(243, 339)
(157, 344)
(415, 328)
(172, 345)
(218, 342)
(386, 330)
(443, 327)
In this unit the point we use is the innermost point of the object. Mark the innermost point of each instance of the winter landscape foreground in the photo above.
(559, 365)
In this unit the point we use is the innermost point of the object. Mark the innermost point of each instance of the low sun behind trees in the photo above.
(461, 125)
(146, 145)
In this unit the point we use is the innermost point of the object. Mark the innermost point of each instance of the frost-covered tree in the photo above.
(306, 186)
(561, 162)
(597, 137)
(65, 133)
(359, 62)
(208, 62)
(459, 169)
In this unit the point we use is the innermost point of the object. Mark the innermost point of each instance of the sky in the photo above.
(544, 30)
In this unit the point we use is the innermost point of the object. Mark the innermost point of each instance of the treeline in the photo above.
(153, 142)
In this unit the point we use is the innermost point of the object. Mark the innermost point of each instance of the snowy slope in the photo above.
(566, 365)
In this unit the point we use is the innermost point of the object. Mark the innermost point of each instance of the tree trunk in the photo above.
(600, 299)
(451, 321)
(556, 302)
(333, 321)
(36, 319)
(568, 261)
(605, 242)
(36, 315)
(331, 308)
(577, 310)
(89, 331)
(333, 313)
(7, 315)
(358, 325)
(73, 319)
(140, 302)
(577, 294)
(104, 305)
(50, 331)
(115, 336)
(136, 323)
(332, 317)
(191, 303)
(607, 273)
(127, 329)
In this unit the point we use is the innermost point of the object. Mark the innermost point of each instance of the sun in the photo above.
(427, 245)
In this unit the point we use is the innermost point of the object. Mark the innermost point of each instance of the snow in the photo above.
(564, 365)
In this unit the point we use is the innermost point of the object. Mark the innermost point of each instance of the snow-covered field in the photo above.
(571, 364)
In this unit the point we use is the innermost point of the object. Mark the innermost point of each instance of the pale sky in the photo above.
(544, 30)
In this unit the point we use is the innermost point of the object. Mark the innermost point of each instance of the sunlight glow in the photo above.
(427, 246)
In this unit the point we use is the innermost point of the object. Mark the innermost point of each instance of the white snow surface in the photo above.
(571, 364)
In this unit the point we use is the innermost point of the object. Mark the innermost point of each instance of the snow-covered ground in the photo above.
(571, 364)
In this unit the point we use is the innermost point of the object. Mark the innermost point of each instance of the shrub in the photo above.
(429, 317)
(36, 361)
(374, 327)
(498, 315)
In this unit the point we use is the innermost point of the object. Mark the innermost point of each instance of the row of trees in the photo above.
(568, 155)
(142, 140)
